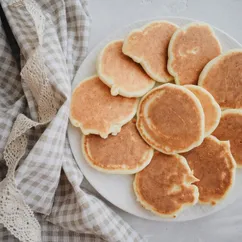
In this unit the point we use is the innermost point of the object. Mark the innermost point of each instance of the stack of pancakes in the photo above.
(186, 140)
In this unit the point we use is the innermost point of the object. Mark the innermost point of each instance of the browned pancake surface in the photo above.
(96, 110)
(149, 46)
(125, 151)
(164, 186)
(192, 48)
(171, 119)
(214, 166)
(121, 73)
(211, 108)
(230, 128)
(223, 79)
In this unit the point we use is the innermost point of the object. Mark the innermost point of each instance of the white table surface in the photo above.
(110, 15)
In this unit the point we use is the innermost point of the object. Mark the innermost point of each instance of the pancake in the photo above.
(190, 49)
(125, 153)
(165, 186)
(96, 111)
(121, 73)
(170, 119)
(214, 166)
(222, 77)
(230, 128)
(211, 108)
(149, 47)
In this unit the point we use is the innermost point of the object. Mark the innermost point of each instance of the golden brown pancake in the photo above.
(96, 111)
(125, 153)
(170, 119)
(190, 49)
(222, 77)
(211, 108)
(149, 47)
(230, 128)
(214, 166)
(165, 185)
(121, 73)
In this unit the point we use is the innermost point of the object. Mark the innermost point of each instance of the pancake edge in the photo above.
(173, 38)
(114, 89)
(226, 144)
(141, 60)
(204, 73)
(114, 128)
(197, 103)
(150, 154)
(214, 104)
(233, 111)
(185, 205)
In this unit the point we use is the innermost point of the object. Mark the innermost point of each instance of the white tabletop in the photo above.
(110, 15)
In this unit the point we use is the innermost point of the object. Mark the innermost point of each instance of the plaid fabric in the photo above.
(53, 40)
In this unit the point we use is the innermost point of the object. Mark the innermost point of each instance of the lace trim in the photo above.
(15, 214)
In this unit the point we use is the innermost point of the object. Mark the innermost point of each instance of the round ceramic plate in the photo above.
(118, 189)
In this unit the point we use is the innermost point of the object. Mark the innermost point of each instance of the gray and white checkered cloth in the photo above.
(37, 170)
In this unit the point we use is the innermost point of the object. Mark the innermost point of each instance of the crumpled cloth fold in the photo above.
(40, 194)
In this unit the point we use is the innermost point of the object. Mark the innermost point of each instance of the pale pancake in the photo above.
(121, 73)
(125, 153)
(230, 128)
(96, 111)
(214, 166)
(190, 49)
(149, 47)
(211, 108)
(222, 77)
(170, 119)
(165, 185)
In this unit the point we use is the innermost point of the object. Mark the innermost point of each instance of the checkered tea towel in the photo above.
(40, 194)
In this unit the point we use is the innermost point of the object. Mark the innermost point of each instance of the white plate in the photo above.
(117, 189)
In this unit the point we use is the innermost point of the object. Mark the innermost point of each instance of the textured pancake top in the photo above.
(214, 166)
(230, 128)
(121, 73)
(164, 186)
(149, 47)
(222, 77)
(211, 108)
(171, 119)
(190, 49)
(96, 111)
(125, 151)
